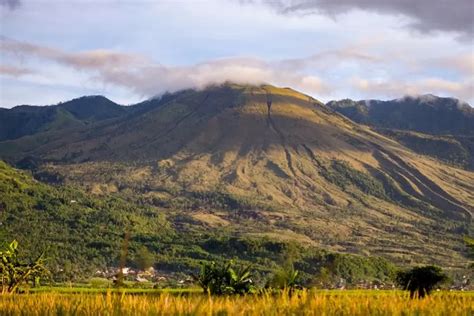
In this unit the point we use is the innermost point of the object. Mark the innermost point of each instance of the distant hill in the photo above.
(439, 127)
(427, 114)
(264, 162)
(27, 120)
(93, 108)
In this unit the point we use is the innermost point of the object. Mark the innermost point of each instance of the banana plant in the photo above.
(222, 279)
(14, 272)
(285, 278)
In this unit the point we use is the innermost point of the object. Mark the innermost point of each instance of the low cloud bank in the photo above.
(146, 78)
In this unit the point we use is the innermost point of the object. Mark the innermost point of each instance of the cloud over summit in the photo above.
(147, 78)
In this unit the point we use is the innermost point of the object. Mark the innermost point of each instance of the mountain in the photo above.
(93, 108)
(265, 162)
(27, 120)
(427, 114)
(439, 127)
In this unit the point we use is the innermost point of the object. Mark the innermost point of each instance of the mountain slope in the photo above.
(266, 161)
(93, 108)
(73, 227)
(439, 127)
(82, 234)
(28, 120)
(425, 114)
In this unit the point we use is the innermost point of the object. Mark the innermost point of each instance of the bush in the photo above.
(14, 272)
(221, 279)
(342, 174)
(420, 280)
(284, 278)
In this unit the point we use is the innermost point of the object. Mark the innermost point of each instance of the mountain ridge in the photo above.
(442, 128)
(24, 120)
(426, 114)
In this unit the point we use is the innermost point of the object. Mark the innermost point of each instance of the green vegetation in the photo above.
(144, 259)
(470, 246)
(27, 120)
(285, 277)
(224, 278)
(439, 127)
(426, 114)
(329, 268)
(343, 175)
(15, 272)
(83, 234)
(455, 150)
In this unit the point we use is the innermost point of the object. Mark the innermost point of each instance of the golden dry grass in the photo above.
(305, 303)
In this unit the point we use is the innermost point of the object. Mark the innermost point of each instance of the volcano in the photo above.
(265, 161)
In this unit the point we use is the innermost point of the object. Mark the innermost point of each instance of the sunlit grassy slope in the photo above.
(267, 161)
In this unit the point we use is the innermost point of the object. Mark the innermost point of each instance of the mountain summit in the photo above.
(27, 120)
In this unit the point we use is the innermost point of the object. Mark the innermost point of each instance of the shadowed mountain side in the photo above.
(29, 120)
(199, 120)
(427, 114)
(457, 150)
(439, 127)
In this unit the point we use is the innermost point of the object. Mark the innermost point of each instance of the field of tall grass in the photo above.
(305, 302)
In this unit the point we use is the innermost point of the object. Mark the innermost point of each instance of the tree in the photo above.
(420, 280)
(144, 259)
(14, 272)
(470, 249)
(224, 279)
(324, 277)
(286, 277)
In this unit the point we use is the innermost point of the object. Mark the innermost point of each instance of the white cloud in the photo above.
(14, 71)
(463, 90)
(463, 63)
(146, 78)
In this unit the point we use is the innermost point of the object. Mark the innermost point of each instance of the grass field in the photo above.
(357, 302)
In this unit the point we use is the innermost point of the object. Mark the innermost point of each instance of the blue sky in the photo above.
(51, 51)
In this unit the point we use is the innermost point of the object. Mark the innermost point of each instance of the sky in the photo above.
(128, 51)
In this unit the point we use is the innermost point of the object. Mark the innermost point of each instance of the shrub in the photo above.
(14, 272)
(284, 278)
(222, 278)
(420, 280)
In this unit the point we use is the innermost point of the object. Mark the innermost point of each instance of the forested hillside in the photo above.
(82, 234)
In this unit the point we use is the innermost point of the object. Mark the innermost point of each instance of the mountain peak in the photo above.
(93, 108)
